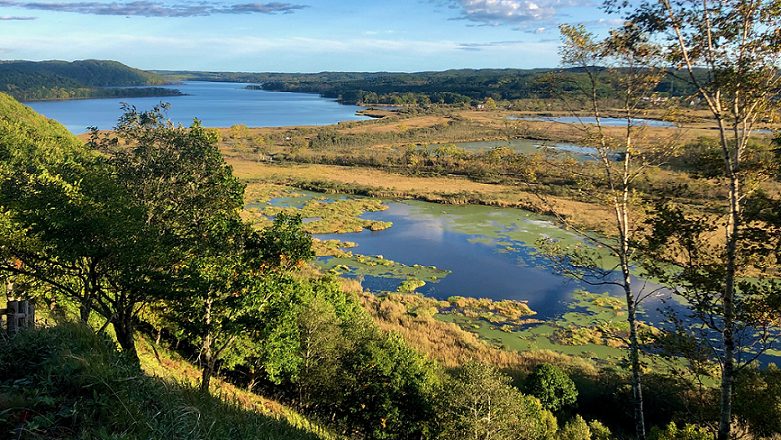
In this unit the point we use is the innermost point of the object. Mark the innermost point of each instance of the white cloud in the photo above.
(15, 18)
(519, 13)
(149, 8)
(85, 45)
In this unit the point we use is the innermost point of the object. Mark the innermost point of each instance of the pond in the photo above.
(486, 252)
(216, 104)
(527, 146)
(607, 122)
(490, 252)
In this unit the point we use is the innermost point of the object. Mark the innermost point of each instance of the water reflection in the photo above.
(607, 122)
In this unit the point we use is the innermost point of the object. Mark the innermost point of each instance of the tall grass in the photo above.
(67, 382)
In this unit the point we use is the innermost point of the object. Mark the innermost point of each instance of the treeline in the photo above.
(462, 86)
(29, 81)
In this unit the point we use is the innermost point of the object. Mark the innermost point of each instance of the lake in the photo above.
(491, 253)
(216, 104)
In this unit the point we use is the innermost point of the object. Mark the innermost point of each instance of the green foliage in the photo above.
(599, 431)
(155, 216)
(758, 400)
(28, 80)
(67, 382)
(575, 429)
(552, 386)
(478, 402)
(71, 226)
(578, 429)
(387, 387)
(327, 354)
(221, 284)
(285, 244)
(685, 432)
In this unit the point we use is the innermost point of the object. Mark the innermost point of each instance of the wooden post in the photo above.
(19, 315)
(12, 308)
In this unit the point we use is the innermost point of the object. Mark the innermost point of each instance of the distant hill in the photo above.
(457, 86)
(31, 80)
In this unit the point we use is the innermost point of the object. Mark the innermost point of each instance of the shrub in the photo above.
(575, 429)
(685, 432)
(552, 386)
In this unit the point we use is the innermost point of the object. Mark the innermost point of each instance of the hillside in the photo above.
(34, 124)
(85, 388)
(30, 80)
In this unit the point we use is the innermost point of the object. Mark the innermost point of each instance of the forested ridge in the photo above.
(460, 86)
(30, 80)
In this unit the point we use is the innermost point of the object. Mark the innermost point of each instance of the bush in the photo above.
(758, 400)
(685, 432)
(552, 386)
(599, 431)
(575, 429)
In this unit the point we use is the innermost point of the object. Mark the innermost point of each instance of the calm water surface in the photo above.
(489, 251)
(526, 146)
(216, 104)
(608, 122)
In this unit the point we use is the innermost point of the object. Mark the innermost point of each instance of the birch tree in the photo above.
(729, 52)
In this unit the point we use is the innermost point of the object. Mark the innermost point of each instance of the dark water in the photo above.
(607, 122)
(478, 268)
(215, 104)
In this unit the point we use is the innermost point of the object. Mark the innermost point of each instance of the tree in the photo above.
(575, 429)
(728, 51)
(230, 284)
(599, 431)
(285, 244)
(386, 386)
(70, 225)
(625, 60)
(478, 402)
(185, 196)
(41, 166)
(552, 386)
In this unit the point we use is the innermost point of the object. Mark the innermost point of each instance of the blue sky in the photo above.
(295, 35)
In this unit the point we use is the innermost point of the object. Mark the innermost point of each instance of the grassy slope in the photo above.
(166, 365)
(67, 382)
(15, 115)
